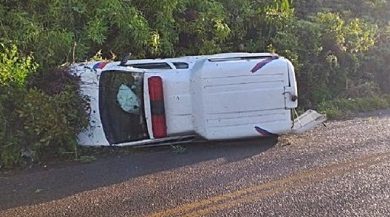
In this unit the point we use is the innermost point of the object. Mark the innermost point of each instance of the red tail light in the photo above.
(157, 108)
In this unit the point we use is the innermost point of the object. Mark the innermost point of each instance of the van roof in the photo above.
(190, 60)
(184, 62)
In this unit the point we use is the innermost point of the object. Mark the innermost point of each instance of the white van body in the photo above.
(214, 97)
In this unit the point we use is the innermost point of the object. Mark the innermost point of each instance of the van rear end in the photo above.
(243, 97)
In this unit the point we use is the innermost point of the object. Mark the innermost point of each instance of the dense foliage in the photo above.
(340, 49)
(38, 120)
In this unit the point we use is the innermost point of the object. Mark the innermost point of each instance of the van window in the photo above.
(162, 65)
(121, 106)
(180, 65)
(128, 99)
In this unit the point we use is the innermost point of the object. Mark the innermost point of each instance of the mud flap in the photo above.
(307, 121)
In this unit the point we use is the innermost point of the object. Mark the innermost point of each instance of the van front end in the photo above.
(127, 106)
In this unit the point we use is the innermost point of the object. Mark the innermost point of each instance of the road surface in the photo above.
(339, 170)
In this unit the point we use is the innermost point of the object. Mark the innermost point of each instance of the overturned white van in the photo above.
(214, 97)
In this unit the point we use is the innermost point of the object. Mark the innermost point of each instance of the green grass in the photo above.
(341, 108)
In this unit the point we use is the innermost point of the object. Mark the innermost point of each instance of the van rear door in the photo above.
(231, 100)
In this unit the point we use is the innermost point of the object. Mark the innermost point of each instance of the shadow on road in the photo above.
(48, 184)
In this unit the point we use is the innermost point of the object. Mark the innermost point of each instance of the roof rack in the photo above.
(233, 58)
(159, 65)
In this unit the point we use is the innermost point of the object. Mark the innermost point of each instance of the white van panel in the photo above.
(177, 102)
(277, 126)
(230, 100)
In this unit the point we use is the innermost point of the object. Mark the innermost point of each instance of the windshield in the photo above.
(121, 106)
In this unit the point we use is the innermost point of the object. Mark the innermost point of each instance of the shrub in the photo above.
(14, 67)
(14, 70)
(51, 123)
(42, 120)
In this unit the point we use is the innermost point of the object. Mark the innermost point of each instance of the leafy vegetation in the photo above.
(341, 108)
(340, 51)
(36, 123)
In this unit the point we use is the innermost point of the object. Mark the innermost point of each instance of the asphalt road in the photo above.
(339, 170)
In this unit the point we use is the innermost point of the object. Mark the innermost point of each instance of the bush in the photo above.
(42, 120)
(14, 71)
(14, 68)
(9, 153)
(51, 123)
(55, 80)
